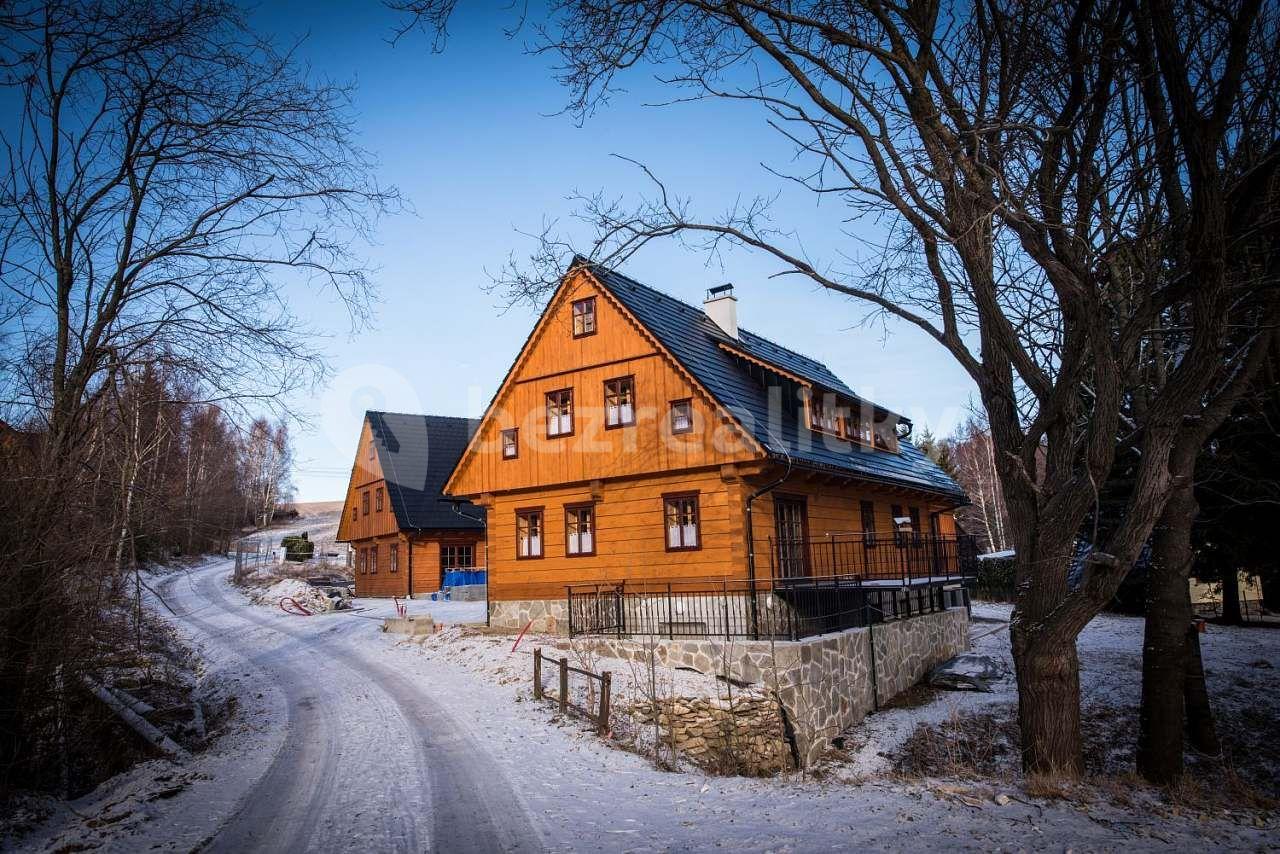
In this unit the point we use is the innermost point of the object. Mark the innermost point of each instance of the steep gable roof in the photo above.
(417, 454)
(703, 349)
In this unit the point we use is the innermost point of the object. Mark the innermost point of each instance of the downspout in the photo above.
(484, 523)
(751, 548)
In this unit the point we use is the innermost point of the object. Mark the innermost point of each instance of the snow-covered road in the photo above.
(345, 738)
(368, 761)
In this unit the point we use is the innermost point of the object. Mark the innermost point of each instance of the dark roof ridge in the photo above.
(764, 338)
(420, 415)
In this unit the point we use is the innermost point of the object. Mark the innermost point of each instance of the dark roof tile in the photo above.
(417, 454)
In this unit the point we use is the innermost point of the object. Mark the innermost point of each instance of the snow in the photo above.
(560, 786)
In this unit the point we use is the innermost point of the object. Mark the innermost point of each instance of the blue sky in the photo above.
(472, 138)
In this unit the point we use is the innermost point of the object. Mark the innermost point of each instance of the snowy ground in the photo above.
(349, 738)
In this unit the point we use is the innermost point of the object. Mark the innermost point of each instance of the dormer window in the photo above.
(824, 416)
(584, 317)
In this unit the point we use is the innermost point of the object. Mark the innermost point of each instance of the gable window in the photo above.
(457, 557)
(355, 513)
(868, 522)
(377, 499)
(579, 529)
(620, 402)
(393, 557)
(373, 560)
(560, 413)
(584, 317)
(682, 522)
(682, 416)
(511, 443)
(824, 416)
(529, 533)
(364, 502)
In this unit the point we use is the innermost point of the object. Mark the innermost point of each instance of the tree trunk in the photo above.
(1049, 707)
(1201, 727)
(1231, 596)
(1164, 646)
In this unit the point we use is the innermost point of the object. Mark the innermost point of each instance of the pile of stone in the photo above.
(744, 735)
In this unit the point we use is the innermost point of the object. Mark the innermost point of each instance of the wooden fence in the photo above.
(599, 715)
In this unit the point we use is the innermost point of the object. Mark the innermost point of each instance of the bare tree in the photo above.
(975, 470)
(167, 174)
(1026, 162)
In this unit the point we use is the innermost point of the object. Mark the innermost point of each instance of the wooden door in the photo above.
(791, 526)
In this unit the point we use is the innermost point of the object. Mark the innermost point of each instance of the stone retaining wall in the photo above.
(549, 616)
(823, 683)
(744, 735)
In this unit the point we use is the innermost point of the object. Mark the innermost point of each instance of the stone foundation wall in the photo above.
(823, 683)
(549, 616)
(745, 735)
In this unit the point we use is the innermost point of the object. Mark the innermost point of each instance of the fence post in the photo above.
(537, 673)
(606, 680)
(671, 630)
(564, 685)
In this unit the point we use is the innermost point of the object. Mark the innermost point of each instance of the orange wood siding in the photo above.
(553, 359)
(629, 536)
(425, 548)
(366, 477)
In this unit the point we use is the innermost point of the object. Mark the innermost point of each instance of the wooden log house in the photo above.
(637, 438)
(403, 536)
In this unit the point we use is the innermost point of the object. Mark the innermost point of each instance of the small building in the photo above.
(641, 445)
(403, 536)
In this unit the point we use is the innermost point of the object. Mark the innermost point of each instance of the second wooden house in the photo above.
(403, 536)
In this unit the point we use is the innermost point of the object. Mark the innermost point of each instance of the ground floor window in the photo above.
(393, 557)
(580, 530)
(457, 557)
(373, 561)
(682, 522)
(529, 533)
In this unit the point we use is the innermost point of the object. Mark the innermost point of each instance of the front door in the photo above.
(791, 524)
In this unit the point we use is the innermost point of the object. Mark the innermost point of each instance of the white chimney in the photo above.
(722, 307)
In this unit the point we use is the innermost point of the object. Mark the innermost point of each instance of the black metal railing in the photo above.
(893, 556)
(785, 609)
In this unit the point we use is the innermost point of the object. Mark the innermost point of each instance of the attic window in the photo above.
(681, 416)
(560, 413)
(620, 402)
(584, 317)
(824, 415)
(511, 443)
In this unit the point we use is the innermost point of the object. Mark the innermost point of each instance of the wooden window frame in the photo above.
(542, 531)
(377, 500)
(373, 559)
(573, 419)
(629, 378)
(514, 433)
(393, 557)
(815, 405)
(454, 547)
(667, 498)
(590, 302)
(867, 510)
(687, 401)
(364, 502)
(355, 513)
(362, 560)
(573, 508)
(899, 536)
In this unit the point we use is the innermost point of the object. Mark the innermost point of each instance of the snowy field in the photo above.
(350, 739)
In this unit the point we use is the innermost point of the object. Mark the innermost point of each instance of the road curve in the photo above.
(370, 761)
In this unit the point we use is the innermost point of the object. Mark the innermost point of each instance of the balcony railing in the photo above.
(887, 557)
(780, 609)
